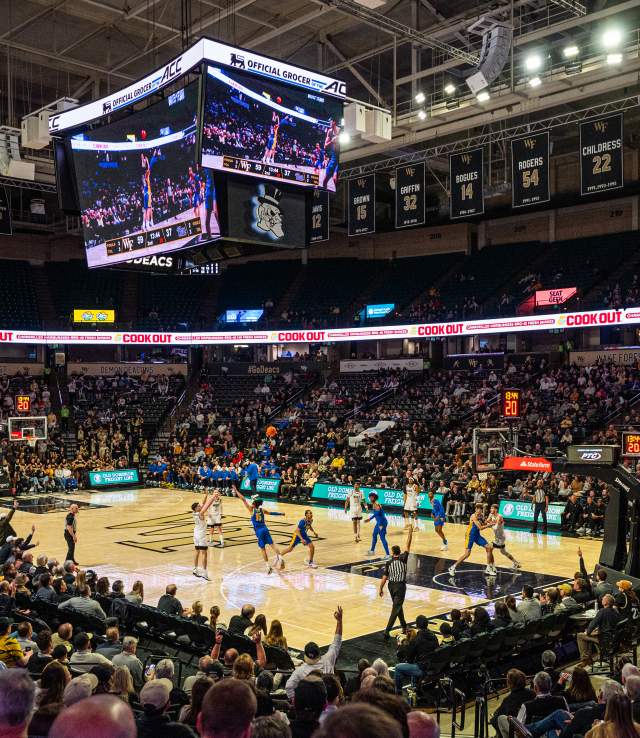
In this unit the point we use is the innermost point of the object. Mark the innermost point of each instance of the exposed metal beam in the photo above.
(384, 23)
(431, 8)
(263, 38)
(573, 5)
(494, 136)
(367, 86)
(32, 19)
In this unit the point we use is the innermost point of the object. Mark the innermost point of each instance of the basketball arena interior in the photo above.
(319, 368)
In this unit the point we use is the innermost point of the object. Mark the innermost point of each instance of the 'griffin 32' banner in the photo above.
(530, 170)
(466, 178)
(601, 155)
(410, 209)
(362, 205)
(319, 227)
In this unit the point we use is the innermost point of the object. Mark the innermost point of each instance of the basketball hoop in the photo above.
(32, 442)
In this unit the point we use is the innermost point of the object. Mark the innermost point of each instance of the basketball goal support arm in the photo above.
(624, 488)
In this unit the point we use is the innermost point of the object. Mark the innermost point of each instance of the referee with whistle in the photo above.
(395, 574)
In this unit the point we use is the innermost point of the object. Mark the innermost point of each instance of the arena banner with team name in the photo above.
(530, 170)
(362, 205)
(601, 155)
(410, 206)
(265, 486)
(415, 331)
(517, 511)
(466, 182)
(113, 478)
(386, 497)
(100, 369)
(319, 226)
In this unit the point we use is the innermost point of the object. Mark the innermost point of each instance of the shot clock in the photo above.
(23, 404)
(510, 404)
(631, 443)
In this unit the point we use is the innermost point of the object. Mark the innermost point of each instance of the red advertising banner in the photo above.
(526, 463)
(554, 297)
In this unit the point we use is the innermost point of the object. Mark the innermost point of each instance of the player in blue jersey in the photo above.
(474, 536)
(262, 532)
(301, 535)
(209, 203)
(380, 528)
(439, 519)
(331, 152)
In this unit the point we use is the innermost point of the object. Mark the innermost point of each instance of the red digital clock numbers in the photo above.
(511, 403)
(631, 443)
(23, 403)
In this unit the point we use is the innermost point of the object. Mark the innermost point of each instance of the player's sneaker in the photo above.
(444, 547)
(204, 574)
(212, 544)
(371, 553)
(517, 565)
(196, 572)
(452, 571)
(269, 569)
(491, 571)
(312, 564)
(221, 544)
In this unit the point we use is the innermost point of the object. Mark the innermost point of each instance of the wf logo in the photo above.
(466, 159)
(362, 183)
(410, 171)
(601, 126)
(529, 143)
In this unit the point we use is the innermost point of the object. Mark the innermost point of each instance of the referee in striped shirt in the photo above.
(540, 500)
(396, 574)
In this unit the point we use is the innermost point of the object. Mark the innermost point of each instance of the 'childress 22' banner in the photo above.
(410, 210)
(601, 155)
(517, 511)
(466, 178)
(530, 170)
(362, 205)
(386, 497)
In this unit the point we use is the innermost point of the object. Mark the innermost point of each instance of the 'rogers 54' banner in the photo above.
(522, 324)
(601, 155)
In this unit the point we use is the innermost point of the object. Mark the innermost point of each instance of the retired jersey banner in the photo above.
(530, 170)
(410, 208)
(466, 178)
(319, 227)
(362, 205)
(601, 155)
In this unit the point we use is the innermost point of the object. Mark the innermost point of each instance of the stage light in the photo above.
(570, 52)
(483, 96)
(344, 137)
(612, 38)
(535, 82)
(422, 115)
(615, 58)
(420, 98)
(450, 89)
(533, 62)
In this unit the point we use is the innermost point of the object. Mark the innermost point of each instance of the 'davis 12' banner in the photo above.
(410, 209)
(362, 205)
(319, 227)
(530, 170)
(467, 183)
(601, 155)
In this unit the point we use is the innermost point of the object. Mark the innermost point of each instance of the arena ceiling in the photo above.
(86, 48)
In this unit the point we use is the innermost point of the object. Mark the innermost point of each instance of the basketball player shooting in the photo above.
(147, 202)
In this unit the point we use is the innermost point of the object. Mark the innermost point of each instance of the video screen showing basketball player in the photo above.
(270, 129)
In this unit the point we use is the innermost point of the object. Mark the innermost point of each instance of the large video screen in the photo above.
(270, 129)
(142, 191)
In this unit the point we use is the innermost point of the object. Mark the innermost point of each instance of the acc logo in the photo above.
(466, 159)
(509, 508)
(171, 70)
(600, 126)
(529, 143)
(591, 455)
(337, 88)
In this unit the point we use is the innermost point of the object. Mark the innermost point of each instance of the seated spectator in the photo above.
(310, 699)
(360, 721)
(122, 685)
(112, 645)
(24, 636)
(577, 687)
(514, 612)
(104, 675)
(45, 591)
(109, 717)
(626, 599)
(543, 705)
(189, 713)
(165, 669)
(314, 661)
(207, 669)
(17, 701)
(501, 618)
(63, 637)
(11, 655)
(239, 623)
(79, 688)
(418, 653)
(275, 636)
(196, 613)
(127, 657)
(529, 607)
(618, 720)
(216, 720)
(83, 659)
(422, 725)
(43, 653)
(169, 603)
(155, 698)
(136, 596)
(353, 683)
(270, 726)
(53, 682)
(518, 694)
(606, 619)
(481, 621)
(84, 604)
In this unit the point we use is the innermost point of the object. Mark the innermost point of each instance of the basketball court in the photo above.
(147, 534)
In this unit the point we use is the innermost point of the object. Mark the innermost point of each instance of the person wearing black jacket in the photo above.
(542, 706)
(606, 619)
(572, 513)
(519, 693)
(6, 529)
(418, 652)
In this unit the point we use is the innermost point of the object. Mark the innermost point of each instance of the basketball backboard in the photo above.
(490, 446)
(27, 428)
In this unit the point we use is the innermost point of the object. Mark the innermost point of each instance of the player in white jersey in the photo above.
(355, 502)
(214, 518)
(200, 541)
(410, 511)
(500, 540)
